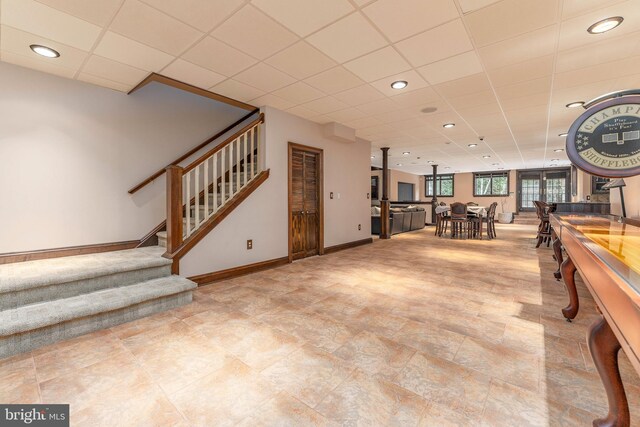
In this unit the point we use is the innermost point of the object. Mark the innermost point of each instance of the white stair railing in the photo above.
(210, 182)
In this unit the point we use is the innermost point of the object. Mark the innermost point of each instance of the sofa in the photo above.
(401, 219)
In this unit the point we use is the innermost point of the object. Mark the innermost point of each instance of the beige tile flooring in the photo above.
(416, 330)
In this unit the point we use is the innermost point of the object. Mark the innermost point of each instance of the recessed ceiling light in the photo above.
(605, 25)
(558, 150)
(575, 104)
(555, 160)
(552, 165)
(373, 157)
(495, 164)
(563, 134)
(448, 125)
(400, 84)
(406, 153)
(447, 167)
(44, 51)
(430, 161)
(500, 168)
(472, 145)
(486, 156)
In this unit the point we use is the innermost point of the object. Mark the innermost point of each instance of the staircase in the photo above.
(203, 193)
(42, 302)
(528, 218)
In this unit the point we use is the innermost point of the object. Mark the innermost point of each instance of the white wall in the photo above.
(69, 151)
(631, 198)
(262, 217)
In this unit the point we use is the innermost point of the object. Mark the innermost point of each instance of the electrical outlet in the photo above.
(249, 244)
(359, 227)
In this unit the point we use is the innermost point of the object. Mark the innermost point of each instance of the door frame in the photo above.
(542, 174)
(320, 180)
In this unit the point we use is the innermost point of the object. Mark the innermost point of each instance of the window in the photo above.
(374, 188)
(491, 184)
(444, 185)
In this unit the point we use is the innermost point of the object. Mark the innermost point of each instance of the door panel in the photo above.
(305, 213)
(550, 186)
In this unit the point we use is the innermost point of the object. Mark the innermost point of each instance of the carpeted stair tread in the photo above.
(35, 316)
(34, 274)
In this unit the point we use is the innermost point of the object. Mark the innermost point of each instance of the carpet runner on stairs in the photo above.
(42, 302)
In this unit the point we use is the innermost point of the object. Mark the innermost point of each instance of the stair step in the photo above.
(31, 326)
(45, 280)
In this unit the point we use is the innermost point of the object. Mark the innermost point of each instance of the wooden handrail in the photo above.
(220, 146)
(190, 152)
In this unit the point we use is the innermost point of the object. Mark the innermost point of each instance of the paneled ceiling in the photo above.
(501, 70)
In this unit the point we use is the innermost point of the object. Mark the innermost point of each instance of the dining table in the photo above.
(472, 211)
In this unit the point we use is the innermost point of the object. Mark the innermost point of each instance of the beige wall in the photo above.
(396, 176)
(263, 218)
(71, 150)
(631, 198)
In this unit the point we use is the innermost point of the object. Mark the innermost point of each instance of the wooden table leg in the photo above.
(557, 251)
(568, 270)
(604, 348)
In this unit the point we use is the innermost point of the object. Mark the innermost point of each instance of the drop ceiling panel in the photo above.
(523, 71)
(362, 38)
(510, 18)
(273, 100)
(299, 93)
(303, 17)
(99, 12)
(377, 65)
(37, 18)
(147, 25)
(401, 19)
(121, 49)
(453, 68)
(33, 63)
(301, 60)
(219, 57)
(237, 90)
(264, 77)
(572, 8)
(453, 32)
(17, 42)
(325, 105)
(185, 71)
(112, 70)
(359, 95)
(466, 85)
(606, 50)
(254, 33)
(518, 49)
(204, 15)
(337, 79)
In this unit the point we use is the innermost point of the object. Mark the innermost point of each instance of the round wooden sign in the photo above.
(605, 139)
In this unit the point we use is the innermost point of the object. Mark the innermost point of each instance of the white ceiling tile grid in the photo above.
(499, 69)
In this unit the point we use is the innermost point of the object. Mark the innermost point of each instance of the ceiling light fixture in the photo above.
(448, 125)
(400, 84)
(486, 156)
(472, 145)
(558, 150)
(430, 162)
(406, 153)
(555, 160)
(605, 25)
(373, 157)
(44, 51)
(575, 104)
(563, 134)
(447, 167)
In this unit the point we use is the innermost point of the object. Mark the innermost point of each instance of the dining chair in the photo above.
(459, 220)
(490, 220)
(472, 204)
(544, 228)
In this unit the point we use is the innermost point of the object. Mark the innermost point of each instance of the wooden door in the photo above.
(305, 207)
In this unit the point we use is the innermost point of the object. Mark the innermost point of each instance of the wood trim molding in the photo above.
(12, 257)
(194, 150)
(207, 278)
(348, 245)
(155, 77)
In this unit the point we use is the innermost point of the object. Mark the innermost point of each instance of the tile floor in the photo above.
(416, 330)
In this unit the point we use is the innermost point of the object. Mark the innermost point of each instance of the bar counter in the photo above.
(607, 255)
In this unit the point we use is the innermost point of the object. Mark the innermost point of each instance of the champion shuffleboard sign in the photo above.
(605, 139)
